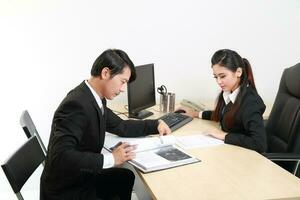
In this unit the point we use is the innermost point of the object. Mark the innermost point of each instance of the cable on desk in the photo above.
(154, 109)
(122, 113)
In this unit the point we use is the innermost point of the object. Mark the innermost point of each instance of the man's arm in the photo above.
(134, 128)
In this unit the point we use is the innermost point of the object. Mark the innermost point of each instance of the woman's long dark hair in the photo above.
(232, 61)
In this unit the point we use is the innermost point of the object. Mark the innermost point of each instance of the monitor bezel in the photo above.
(133, 112)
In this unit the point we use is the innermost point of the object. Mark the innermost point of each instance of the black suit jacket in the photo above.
(77, 137)
(248, 129)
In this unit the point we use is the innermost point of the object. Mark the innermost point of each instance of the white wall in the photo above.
(48, 47)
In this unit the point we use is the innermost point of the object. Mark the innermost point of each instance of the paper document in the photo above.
(143, 143)
(163, 158)
(152, 154)
(197, 141)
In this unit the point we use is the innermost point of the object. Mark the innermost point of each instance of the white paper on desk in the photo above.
(197, 141)
(151, 154)
(149, 159)
(143, 143)
(163, 158)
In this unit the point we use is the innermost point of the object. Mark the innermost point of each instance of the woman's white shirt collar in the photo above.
(230, 96)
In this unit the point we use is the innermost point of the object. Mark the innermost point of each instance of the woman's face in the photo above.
(226, 79)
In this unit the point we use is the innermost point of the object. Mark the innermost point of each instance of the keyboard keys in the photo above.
(175, 120)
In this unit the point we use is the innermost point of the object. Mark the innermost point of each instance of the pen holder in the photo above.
(167, 102)
(171, 101)
(163, 103)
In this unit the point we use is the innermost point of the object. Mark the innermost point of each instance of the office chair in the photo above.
(20, 166)
(283, 125)
(30, 129)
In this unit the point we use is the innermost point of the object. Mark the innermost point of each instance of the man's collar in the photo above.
(96, 96)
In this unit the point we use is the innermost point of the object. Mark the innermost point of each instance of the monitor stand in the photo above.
(141, 114)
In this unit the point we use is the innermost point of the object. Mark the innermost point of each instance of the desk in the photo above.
(225, 172)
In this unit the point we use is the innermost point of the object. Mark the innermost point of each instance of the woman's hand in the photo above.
(163, 128)
(216, 133)
(189, 112)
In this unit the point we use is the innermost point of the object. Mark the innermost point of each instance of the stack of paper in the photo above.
(152, 154)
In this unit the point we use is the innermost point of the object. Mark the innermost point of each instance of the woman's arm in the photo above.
(197, 114)
(254, 136)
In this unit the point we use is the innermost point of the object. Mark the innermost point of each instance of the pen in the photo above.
(116, 146)
(161, 139)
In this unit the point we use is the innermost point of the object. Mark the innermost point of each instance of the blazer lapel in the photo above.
(100, 117)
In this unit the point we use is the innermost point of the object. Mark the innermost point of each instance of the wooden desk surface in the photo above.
(225, 172)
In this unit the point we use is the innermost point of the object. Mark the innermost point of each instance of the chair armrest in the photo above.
(285, 157)
(282, 156)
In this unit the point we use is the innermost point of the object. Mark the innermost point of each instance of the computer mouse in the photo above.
(179, 111)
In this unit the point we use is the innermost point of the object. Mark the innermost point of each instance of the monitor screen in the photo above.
(141, 92)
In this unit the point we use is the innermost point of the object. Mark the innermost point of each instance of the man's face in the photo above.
(117, 84)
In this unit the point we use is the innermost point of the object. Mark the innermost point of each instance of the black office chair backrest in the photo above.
(20, 166)
(283, 126)
(30, 129)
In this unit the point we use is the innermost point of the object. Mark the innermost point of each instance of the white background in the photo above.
(48, 47)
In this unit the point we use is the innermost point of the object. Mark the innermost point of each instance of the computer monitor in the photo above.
(141, 92)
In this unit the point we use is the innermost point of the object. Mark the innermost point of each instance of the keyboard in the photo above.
(175, 120)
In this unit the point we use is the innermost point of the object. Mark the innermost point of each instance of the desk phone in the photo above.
(192, 105)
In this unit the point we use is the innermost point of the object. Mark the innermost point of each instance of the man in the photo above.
(75, 167)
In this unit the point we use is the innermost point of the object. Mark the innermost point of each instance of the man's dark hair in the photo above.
(114, 59)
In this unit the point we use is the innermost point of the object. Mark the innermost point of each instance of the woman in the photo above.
(239, 108)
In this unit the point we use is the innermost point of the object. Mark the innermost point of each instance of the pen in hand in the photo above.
(161, 139)
(116, 146)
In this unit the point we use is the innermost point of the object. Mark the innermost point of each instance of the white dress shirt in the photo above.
(108, 158)
(231, 96)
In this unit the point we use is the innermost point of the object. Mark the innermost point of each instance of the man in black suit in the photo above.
(75, 167)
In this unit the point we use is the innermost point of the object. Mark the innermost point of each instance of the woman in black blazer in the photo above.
(239, 108)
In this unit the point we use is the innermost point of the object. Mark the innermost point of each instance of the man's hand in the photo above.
(163, 128)
(123, 153)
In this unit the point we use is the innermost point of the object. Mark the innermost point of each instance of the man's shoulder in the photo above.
(77, 96)
(80, 92)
